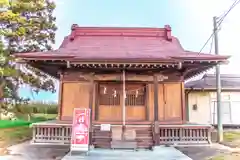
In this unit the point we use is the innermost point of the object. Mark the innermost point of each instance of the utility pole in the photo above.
(218, 84)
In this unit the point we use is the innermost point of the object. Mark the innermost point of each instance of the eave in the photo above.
(212, 89)
(185, 68)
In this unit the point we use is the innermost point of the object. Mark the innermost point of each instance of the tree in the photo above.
(25, 26)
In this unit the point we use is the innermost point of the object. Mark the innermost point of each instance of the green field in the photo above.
(23, 121)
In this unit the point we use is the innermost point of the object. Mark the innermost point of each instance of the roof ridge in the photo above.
(76, 26)
(121, 31)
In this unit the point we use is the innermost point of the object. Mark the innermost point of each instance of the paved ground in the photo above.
(25, 151)
(204, 152)
(160, 153)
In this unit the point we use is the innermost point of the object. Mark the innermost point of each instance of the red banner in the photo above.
(80, 128)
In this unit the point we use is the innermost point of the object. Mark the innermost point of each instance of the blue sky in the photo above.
(191, 22)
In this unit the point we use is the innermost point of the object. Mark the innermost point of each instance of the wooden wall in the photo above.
(170, 102)
(76, 93)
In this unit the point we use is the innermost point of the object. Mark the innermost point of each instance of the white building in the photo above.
(201, 100)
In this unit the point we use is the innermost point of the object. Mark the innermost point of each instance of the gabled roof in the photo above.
(208, 82)
(133, 44)
(134, 49)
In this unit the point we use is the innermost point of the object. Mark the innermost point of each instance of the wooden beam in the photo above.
(74, 76)
(195, 71)
(51, 71)
(118, 77)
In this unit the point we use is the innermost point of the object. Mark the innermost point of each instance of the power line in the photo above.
(233, 5)
(211, 36)
(211, 45)
(219, 23)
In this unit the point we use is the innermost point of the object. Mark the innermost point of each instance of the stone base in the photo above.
(128, 134)
(163, 153)
(123, 144)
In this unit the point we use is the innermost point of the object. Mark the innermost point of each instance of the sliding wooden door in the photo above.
(110, 102)
(135, 102)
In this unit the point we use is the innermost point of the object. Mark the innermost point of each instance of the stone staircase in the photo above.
(134, 137)
(123, 139)
(101, 139)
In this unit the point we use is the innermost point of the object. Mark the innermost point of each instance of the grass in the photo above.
(23, 120)
(231, 136)
(14, 132)
(11, 136)
(46, 116)
(217, 158)
(10, 124)
(229, 156)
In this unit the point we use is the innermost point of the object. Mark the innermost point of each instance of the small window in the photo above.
(226, 97)
(135, 97)
(112, 94)
(194, 107)
(226, 107)
(223, 97)
(109, 95)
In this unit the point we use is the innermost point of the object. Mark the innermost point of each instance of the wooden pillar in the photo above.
(147, 102)
(184, 117)
(156, 123)
(60, 92)
(96, 112)
(91, 98)
(186, 106)
(91, 91)
(155, 98)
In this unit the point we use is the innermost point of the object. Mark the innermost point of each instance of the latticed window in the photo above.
(112, 94)
(109, 94)
(135, 97)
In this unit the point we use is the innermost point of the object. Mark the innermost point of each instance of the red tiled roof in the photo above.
(95, 43)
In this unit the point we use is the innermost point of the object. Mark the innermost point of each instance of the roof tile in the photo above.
(121, 43)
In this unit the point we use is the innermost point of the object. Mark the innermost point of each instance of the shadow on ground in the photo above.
(25, 151)
(203, 152)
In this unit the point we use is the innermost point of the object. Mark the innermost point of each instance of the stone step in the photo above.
(123, 144)
(129, 134)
